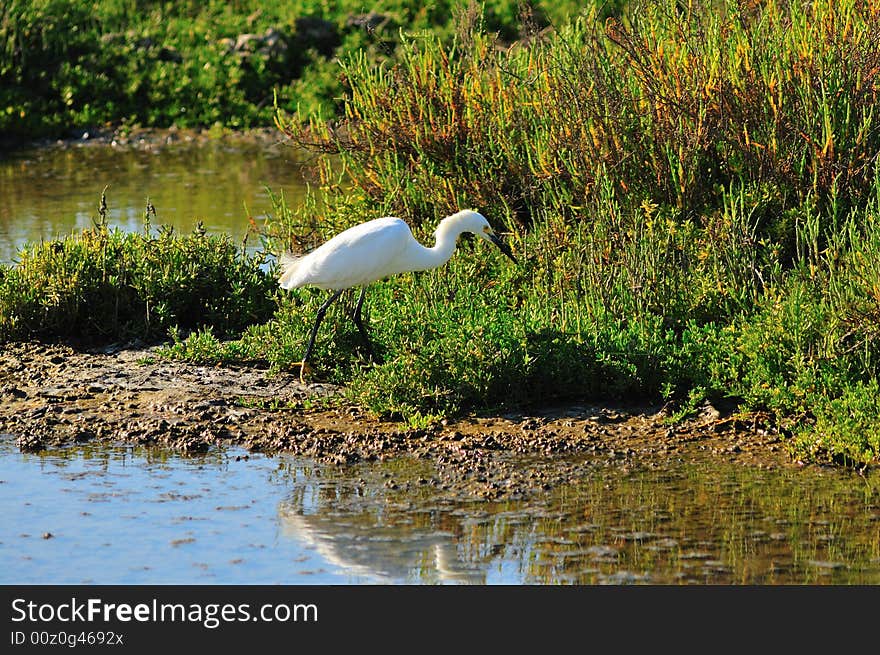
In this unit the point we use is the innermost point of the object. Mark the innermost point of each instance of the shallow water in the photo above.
(50, 192)
(130, 515)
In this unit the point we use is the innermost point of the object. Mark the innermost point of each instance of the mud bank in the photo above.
(53, 395)
(149, 138)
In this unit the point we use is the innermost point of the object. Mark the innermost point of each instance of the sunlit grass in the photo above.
(692, 193)
(102, 285)
(693, 196)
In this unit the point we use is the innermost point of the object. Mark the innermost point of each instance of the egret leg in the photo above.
(360, 325)
(322, 310)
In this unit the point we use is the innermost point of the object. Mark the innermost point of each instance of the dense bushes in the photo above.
(69, 64)
(694, 196)
(692, 191)
(104, 285)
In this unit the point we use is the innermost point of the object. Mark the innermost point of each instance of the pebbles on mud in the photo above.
(52, 395)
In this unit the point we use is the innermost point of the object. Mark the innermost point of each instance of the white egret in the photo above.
(374, 250)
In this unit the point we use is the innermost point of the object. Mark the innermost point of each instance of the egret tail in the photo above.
(289, 265)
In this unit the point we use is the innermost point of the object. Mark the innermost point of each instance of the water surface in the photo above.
(129, 515)
(51, 192)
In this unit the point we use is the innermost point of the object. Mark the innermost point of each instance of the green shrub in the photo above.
(692, 194)
(106, 285)
(69, 64)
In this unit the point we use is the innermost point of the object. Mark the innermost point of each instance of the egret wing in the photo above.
(359, 255)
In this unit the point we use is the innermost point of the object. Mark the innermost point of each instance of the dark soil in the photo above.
(149, 138)
(54, 395)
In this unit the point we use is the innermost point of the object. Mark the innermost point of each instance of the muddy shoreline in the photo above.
(53, 395)
(146, 138)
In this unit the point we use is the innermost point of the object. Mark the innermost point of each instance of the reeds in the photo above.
(692, 188)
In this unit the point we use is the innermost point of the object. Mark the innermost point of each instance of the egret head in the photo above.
(476, 223)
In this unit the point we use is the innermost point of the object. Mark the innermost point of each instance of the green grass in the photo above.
(693, 196)
(103, 285)
(71, 64)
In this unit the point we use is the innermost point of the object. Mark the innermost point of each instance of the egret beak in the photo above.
(503, 247)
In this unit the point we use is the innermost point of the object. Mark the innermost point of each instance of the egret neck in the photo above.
(446, 235)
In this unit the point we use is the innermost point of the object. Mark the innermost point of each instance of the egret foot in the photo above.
(304, 369)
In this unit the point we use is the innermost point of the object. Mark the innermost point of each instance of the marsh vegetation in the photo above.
(691, 189)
